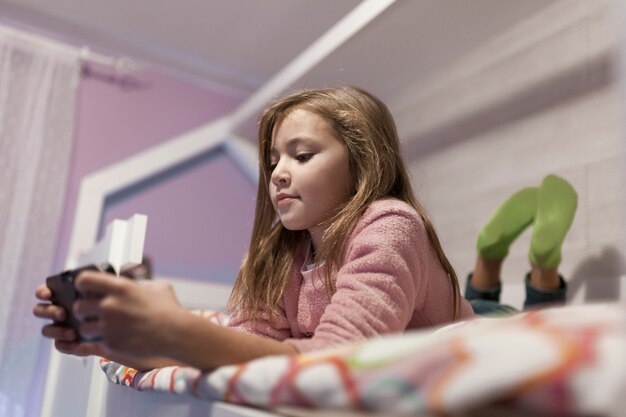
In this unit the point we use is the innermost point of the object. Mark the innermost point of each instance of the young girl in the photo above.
(340, 251)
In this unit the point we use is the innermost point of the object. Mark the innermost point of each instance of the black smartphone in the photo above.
(64, 294)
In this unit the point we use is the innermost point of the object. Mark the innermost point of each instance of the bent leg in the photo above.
(544, 287)
(506, 224)
(556, 206)
(484, 282)
(483, 288)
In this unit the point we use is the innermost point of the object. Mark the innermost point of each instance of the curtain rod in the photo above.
(121, 65)
(118, 71)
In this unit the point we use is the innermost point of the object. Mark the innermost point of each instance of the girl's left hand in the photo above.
(131, 318)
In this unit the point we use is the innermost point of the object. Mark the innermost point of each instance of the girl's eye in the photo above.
(303, 157)
(271, 167)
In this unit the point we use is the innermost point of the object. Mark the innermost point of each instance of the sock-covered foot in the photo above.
(506, 224)
(556, 206)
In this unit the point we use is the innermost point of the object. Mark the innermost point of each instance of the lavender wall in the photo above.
(199, 218)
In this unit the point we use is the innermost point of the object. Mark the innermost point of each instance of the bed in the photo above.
(559, 361)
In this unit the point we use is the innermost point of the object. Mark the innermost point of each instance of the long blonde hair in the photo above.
(365, 126)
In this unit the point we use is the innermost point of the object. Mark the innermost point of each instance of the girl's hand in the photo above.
(64, 337)
(131, 318)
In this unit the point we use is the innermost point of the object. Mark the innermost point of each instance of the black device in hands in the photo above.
(64, 294)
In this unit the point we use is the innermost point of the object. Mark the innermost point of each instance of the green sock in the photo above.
(507, 223)
(556, 206)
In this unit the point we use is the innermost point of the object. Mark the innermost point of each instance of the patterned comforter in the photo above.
(560, 361)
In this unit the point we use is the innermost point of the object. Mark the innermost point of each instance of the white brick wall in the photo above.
(542, 98)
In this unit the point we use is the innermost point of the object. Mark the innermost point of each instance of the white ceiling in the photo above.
(235, 46)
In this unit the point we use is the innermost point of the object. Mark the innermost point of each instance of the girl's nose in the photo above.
(280, 176)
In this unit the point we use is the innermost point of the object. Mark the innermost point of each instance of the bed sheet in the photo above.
(558, 361)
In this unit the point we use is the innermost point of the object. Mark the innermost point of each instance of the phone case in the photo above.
(64, 294)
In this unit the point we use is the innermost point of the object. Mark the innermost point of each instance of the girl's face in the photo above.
(310, 174)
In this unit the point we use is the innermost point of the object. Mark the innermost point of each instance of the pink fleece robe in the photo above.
(390, 281)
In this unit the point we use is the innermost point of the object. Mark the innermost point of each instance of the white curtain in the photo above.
(38, 85)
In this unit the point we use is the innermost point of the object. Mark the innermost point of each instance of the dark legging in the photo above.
(487, 302)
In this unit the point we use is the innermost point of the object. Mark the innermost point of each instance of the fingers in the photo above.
(43, 293)
(59, 333)
(91, 330)
(66, 347)
(85, 309)
(66, 341)
(76, 348)
(93, 282)
(49, 311)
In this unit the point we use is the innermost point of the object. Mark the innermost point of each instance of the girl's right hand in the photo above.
(64, 337)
